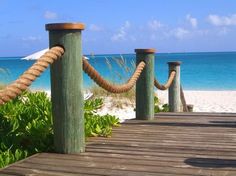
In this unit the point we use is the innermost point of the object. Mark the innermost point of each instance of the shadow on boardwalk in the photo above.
(211, 162)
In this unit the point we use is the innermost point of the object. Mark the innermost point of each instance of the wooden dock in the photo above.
(174, 144)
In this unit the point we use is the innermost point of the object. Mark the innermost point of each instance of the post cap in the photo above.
(64, 26)
(175, 63)
(151, 50)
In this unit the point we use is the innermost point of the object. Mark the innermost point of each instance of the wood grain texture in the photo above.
(151, 50)
(144, 86)
(67, 93)
(173, 144)
(183, 101)
(174, 89)
(64, 26)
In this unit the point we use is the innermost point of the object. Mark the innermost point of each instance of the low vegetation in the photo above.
(100, 92)
(26, 125)
(158, 107)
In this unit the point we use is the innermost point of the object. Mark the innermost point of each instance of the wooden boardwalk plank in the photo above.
(180, 144)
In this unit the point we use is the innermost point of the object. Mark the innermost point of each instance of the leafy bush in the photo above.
(26, 125)
(8, 157)
(158, 108)
(96, 125)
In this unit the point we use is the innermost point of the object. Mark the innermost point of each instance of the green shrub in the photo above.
(7, 157)
(26, 125)
(158, 108)
(96, 125)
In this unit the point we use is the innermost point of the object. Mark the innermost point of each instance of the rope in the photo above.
(25, 80)
(94, 75)
(168, 83)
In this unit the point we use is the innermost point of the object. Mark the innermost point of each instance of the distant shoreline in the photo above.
(102, 54)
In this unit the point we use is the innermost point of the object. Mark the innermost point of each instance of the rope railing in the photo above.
(66, 76)
(94, 75)
(25, 80)
(167, 84)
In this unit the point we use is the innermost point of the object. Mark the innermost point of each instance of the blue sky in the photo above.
(120, 26)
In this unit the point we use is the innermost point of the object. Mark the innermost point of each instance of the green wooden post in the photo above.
(145, 85)
(174, 90)
(67, 88)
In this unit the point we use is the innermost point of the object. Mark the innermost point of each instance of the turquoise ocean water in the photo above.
(199, 71)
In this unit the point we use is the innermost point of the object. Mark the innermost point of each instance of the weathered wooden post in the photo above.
(67, 88)
(174, 89)
(145, 85)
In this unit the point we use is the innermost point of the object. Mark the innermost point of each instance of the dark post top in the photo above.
(151, 50)
(64, 26)
(175, 63)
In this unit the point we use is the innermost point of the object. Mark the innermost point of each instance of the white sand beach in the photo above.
(203, 101)
(207, 101)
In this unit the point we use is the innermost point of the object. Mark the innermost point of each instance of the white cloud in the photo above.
(122, 33)
(133, 38)
(95, 28)
(50, 15)
(180, 33)
(192, 21)
(153, 37)
(223, 31)
(155, 25)
(31, 38)
(202, 32)
(217, 20)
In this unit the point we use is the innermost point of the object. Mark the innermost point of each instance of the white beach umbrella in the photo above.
(38, 54)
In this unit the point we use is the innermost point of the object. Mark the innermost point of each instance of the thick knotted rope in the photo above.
(168, 83)
(24, 81)
(94, 75)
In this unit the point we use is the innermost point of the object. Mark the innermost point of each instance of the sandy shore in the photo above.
(207, 101)
(203, 101)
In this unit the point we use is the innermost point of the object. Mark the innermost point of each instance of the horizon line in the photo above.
(183, 52)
